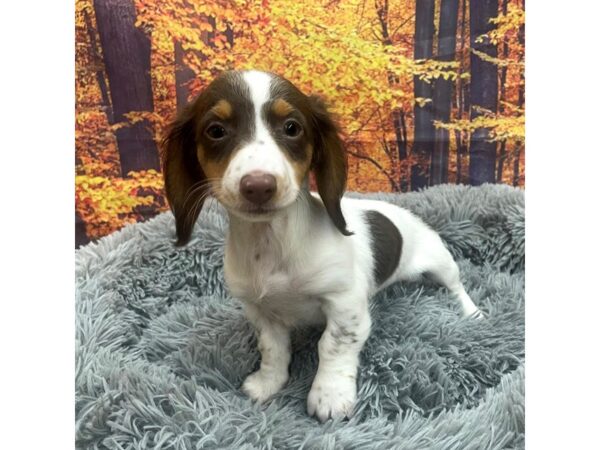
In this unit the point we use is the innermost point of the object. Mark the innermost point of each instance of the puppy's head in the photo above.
(250, 139)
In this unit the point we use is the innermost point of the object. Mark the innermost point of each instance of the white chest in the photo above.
(285, 287)
(282, 294)
(287, 272)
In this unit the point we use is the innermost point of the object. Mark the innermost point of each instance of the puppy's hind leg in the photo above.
(441, 267)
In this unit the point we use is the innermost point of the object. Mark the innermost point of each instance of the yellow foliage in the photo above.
(108, 203)
(331, 48)
(501, 128)
(507, 25)
(498, 61)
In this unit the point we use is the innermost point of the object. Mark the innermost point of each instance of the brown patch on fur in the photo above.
(301, 167)
(183, 175)
(281, 107)
(212, 168)
(330, 163)
(222, 109)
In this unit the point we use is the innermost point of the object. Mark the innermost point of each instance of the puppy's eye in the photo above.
(291, 128)
(216, 132)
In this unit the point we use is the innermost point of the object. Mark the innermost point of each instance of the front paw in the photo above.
(261, 385)
(332, 396)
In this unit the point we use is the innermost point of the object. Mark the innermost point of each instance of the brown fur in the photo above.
(222, 109)
(281, 107)
(330, 163)
(301, 167)
(184, 177)
(213, 168)
(187, 165)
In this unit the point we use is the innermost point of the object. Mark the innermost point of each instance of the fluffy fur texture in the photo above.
(162, 350)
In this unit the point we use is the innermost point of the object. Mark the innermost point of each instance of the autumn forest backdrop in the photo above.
(427, 91)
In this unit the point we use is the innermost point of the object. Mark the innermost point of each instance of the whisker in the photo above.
(197, 186)
(192, 194)
(211, 202)
(191, 214)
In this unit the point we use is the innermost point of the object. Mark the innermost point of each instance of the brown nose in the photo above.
(258, 187)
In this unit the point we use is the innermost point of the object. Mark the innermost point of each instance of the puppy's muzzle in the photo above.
(258, 187)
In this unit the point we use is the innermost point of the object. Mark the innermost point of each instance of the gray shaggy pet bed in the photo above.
(162, 349)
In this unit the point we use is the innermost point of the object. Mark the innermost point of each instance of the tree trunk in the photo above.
(460, 93)
(126, 52)
(501, 108)
(442, 94)
(397, 113)
(424, 129)
(183, 76)
(100, 76)
(81, 237)
(484, 92)
(229, 35)
(402, 144)
(516, 164)
(400, 132)
(521, 104)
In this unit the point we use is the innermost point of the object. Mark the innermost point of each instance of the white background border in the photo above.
(37, 238)
(562, 208)
(37, 227)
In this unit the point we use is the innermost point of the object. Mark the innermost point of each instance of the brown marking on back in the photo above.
(222, 109)
(386, 245)
(281, 107)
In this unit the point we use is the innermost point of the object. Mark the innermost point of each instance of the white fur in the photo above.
(307, 272)
(294, 268)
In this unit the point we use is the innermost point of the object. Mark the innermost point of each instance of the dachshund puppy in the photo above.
(294, 258)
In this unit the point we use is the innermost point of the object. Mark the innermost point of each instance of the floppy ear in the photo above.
(185, 182)
(329, 162)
